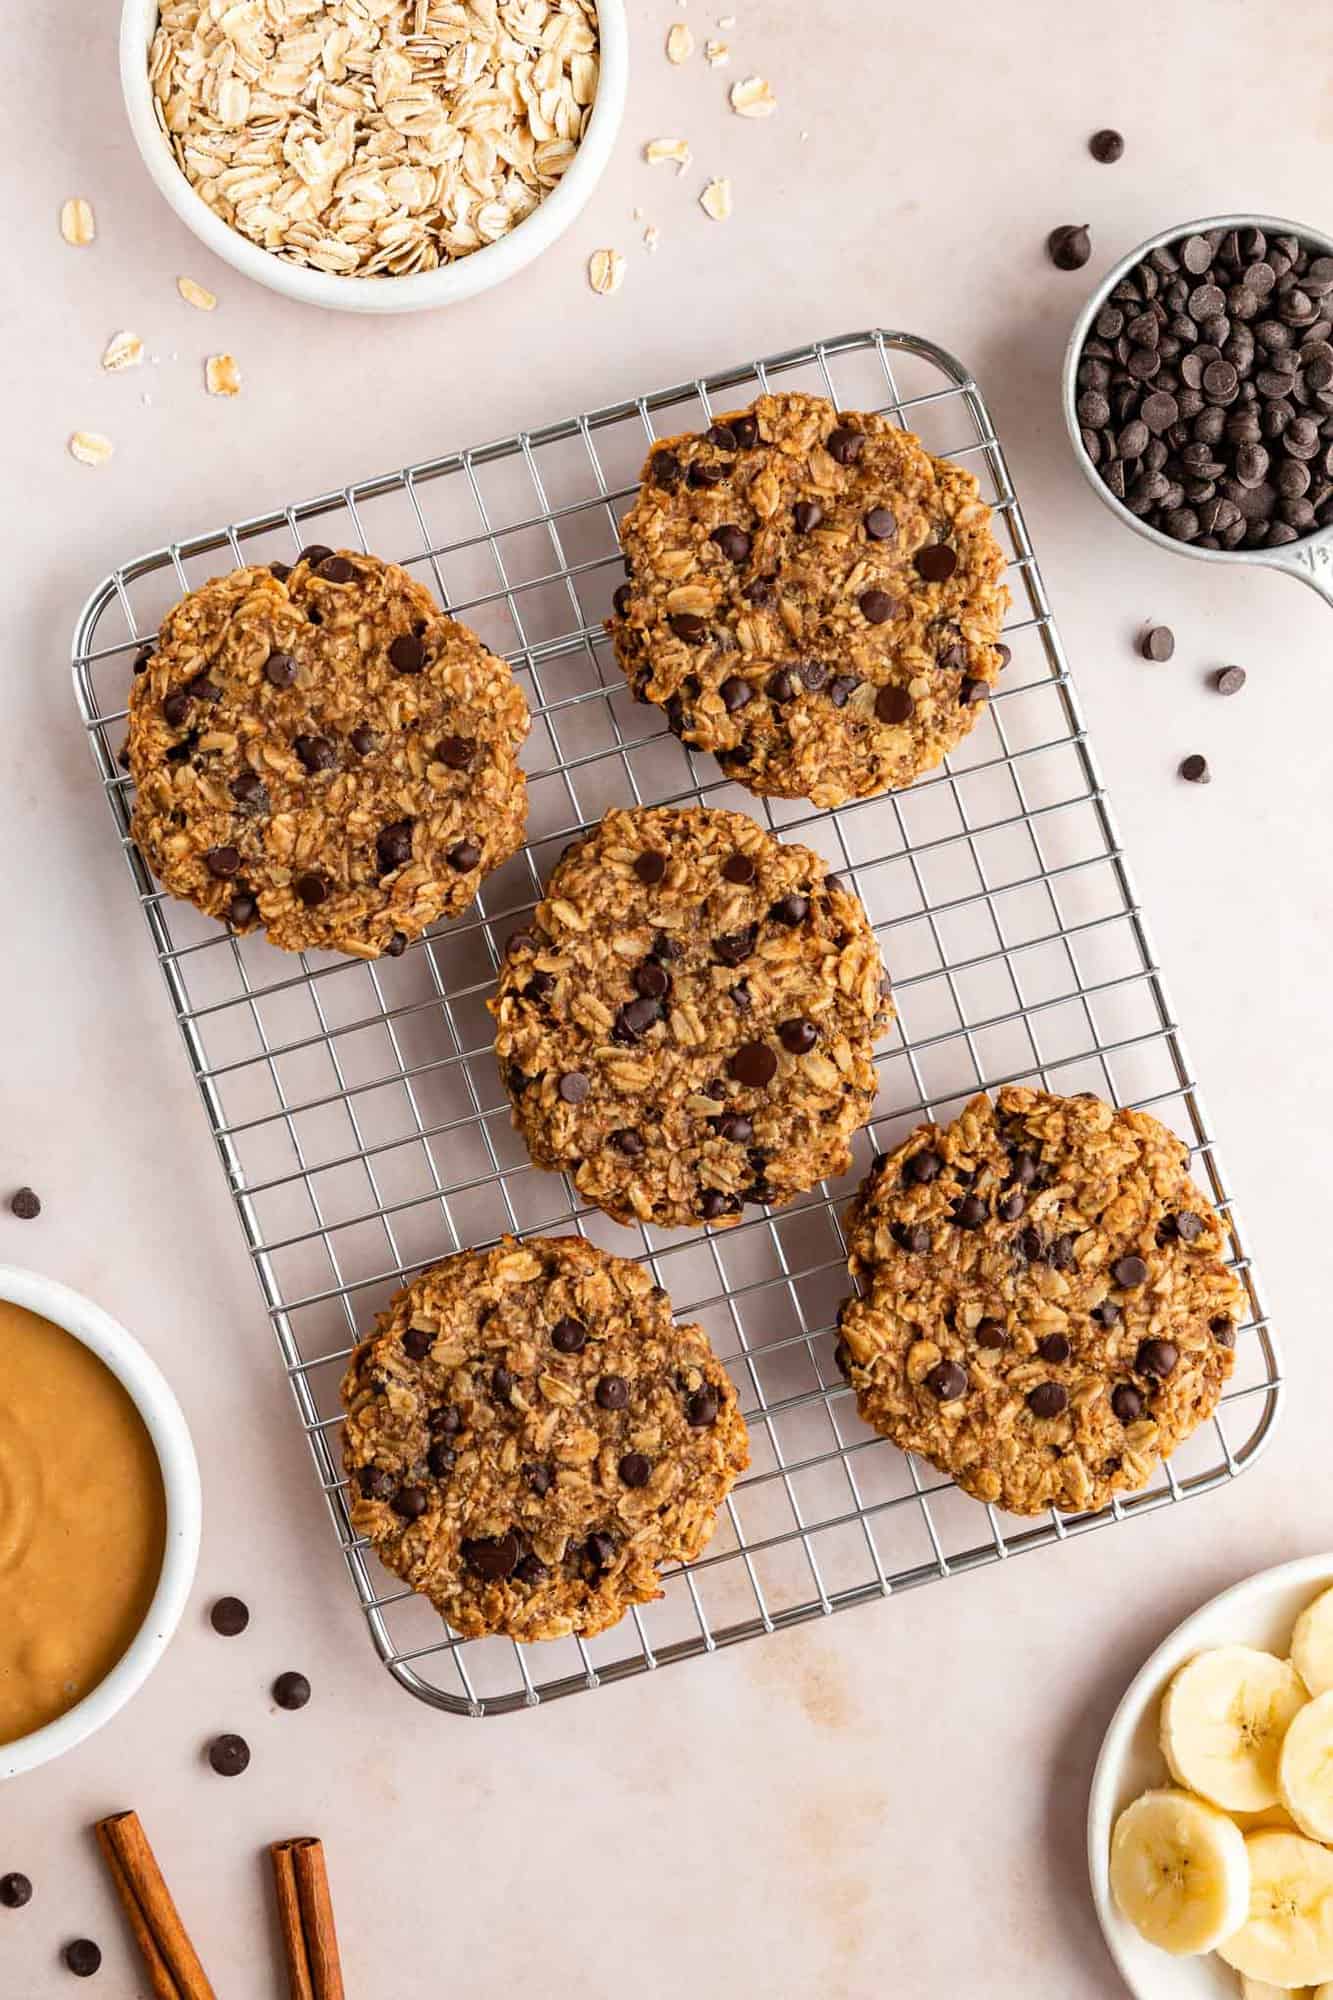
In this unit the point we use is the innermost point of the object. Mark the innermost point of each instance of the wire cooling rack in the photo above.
(357, 1110)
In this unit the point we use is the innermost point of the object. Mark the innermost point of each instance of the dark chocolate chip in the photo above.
(494, 1557)
(894, 705)
(375, 1483)
(612, 1393)
(393, 846)
(176, 708)
(1129, 1272)
(650, 867)
(736, 1127)
(312, 889)
(364, 740)
(337, 569)
(15, 1890)
(25, 1204)
(790, 910)
(455, 752)
(627, 1141)
(1011, 1206)
(223, 862)
(635, 1468)
(703, 473)
(620, 601)
(1126, 1402)
(1048, 1399)
(418, 1342)
(1069, 247)
(666, 470)
(250, 790)
(736, 694)
(841, 688)
(464, 857)
(291, 1691)
(734, 947)
(745, 430)
(798, 1036)
(540, 1479)
(530, 1569)
(600, 1551)
(877, 607)
(229, 1756)
(1106, 1314)
(702, 1407)
(845, 445)
(806, 516)
(913, 1237)
(881, 524)
(753, 1064)
(82, 1957)
(688, 626)
(410, 1502)
(990, 1333)
(1156, 1357)
(1194, 769)
(1223, 1332)
(397, 945)
(229, 1616)
(1106, 146)
(1189, 1226)
(740, 869)
(923, 1166)
(1229, 680)
(314, 553)
(1054, 1347)
(407, 655)
(947, 1381)
(936, 562)
(569, 1336)
(1158, 643)
(970, 1212)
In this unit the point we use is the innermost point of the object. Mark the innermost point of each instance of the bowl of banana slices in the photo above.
(1210, 1822)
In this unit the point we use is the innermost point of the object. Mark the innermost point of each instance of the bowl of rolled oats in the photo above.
(375, 155)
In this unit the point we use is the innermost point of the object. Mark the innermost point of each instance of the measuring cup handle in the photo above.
(1311, 560)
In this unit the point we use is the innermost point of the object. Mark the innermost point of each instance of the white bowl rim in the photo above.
(152, 1396)
(447, 285)
(1173, 1651)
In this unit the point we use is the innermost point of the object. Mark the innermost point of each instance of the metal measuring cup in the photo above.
(1310, 557)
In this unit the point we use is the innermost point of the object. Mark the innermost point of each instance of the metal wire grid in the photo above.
(364, 1132)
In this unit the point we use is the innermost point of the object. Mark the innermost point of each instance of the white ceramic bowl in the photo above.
(1259, 1612)
(443, 287)
(148, 1389)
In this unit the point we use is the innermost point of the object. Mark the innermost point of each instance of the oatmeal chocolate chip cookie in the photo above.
(320, 753)
(812, 597)
(529, 1438)
(1047, 1308)
(687, 1025)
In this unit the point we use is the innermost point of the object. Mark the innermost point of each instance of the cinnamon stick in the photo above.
(305, 1914)
(173, 1965)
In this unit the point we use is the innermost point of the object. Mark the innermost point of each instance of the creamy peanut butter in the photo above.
(82, 1521)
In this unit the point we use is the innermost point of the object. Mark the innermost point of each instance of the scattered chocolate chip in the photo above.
(736, 694)
(418, 1342)
(651, 980)
(600, 1551)
(635, 1019)
(15, 1890)
(990, 1333)
(1048, 1399)
(923, 1166)
(25, 1204)
(407, 655)
(280, 670)
(223, 862)
(1011, 1206)
(701, 1408)
(1229, 680)
(739, 868)
(1188, 1225)
(798, 1037)
(492, 1556)
(627, 1141)
(201, 688)
(375, 1483)
(970, 1212)
(441, 1459)
(734, 947)
(893, 704)
(913, 1237)
(315, 553)
(569, 1336)
(635, 1468)
(1222, 1330)
(337, 569)
(1158, 643)
(753, 1064)
(1156, 1357)
(143, 659)
(540, 1479)
(650, 867)
(745, 430)
(1129, 1272)
(1195, 770)
(782, 685)
(877, 607)
(291, 1691)
(703, 473)
(612, 1393)
(364, 740)
(881, 524)
(791, 910)
(736, 1127)
(464, 857)
(312, 889)
(455, 752)
(530, 1569)
(1054, 1347)
(1126, 1403)
(82, 1957)
(176, 708)
(688, 627)
(806, 516)
(620, 600)
(410, 1502)
(229, 1616)
(947, 1381)
(250, 790)
(666, 470)
(1070, 246)
(1106, 146)
(721, 436)
(713, 1203)
(393, 846)
(1106, 1314)
(229, 1756)
(936, 562)
(397, 945)
(841, 688)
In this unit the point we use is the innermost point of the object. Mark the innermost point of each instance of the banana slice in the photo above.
(1223, 1720)
(1288, 1938)
(1312, 1644)
(1179, 1872)
(1305, 1768)
(1260, 1989)
(1324, 1992)
(1251, 1822)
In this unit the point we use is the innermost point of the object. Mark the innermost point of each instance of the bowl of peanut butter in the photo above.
(99, 1518)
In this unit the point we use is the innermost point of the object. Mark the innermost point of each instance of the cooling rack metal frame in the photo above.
(363, 1131)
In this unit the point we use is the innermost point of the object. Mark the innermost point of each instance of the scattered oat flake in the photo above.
(196, 295)
(221, 375)
(726, 20)
(679, 43)
(716, 200)
(753, 97)
(78, 225)
(123, 350)
(606, 271)
(90, 447)
(658, 152)
(652, 236)
(717, 53)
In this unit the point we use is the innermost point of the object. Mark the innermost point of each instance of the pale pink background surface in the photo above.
(889, 1803)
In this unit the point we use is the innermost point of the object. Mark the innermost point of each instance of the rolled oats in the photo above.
(196, 295)
(662, 152)
(221, 375)
(123, 350)
(529, 1438)
(1047, 1307)
(688, 1023)
(90, 447)
(606, 271)
(374, 137)
(77, 223)
(679, 42)
(715, 201)
(752, 97)
(716, 53)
